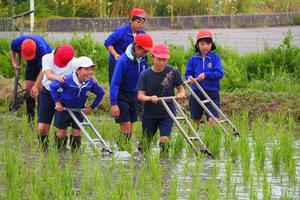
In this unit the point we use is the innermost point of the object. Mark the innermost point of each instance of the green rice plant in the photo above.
(156, 175)
(228, 173)
(173, 195)
(185, 168)
(252, 194)
(245, 156)
(276, 155)
(212, 139)
(212, 190)
(286, 146)
(231, 147)
(176, 145)
(196, 186)
(267, 191)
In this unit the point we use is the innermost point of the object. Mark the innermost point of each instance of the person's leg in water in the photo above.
(61, 138)
(30, 101)
(75, 140)
(46, 113)
(165, 128)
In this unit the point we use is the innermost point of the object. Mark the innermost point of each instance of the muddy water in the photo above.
(183, 168)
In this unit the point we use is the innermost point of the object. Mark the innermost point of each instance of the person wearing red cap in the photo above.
(158, 81)
(56, 66)
(206, 67)
(121, 37)
(31, 48)
(123, 92)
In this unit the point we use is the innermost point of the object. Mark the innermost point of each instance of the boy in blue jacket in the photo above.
(206, 67)
(31, 48)
(121, 37)
(123, 90)
(74, 94)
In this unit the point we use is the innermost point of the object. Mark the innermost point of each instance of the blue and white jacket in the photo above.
(120, 38)
(211, 66)
(73, 94)
(126, 74)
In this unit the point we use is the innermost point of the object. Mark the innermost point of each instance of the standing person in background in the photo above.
(206, 67)
(123, 92)
(158, 81)
(56, 66)
(31, 48)
(121, 37)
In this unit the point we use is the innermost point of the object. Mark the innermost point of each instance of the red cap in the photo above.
(204, 34)
(161, 51)
(137, 12)
(63, 55)
(28, 49)
(144, 40)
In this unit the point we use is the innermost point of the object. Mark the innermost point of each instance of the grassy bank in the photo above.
(260, 82)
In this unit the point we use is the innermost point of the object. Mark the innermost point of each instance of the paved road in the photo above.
(243, 39)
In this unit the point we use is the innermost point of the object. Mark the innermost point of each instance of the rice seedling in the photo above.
(252, 193)
(276, 155)
(267, 191)
(195, 189)
(212, 190)
(245, 156)
(228, 173)
(173, 195)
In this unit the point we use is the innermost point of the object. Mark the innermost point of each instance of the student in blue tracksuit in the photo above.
(121, 37)
(31, 48)
(206, 67)
(75, 90)
(123, 91)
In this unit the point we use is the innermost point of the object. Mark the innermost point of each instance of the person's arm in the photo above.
(99, 92)
(54, 86)
(37, 85)
(51, 76)
(13, 59)
(189, 70)
(180, 92)
(143, 97)
(141, 86)
(113, 39)
(113, 52)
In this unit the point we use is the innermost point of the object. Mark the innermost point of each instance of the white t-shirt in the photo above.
(48, 63)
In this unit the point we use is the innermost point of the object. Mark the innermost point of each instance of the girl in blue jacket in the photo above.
(206, 67)
(75, 90)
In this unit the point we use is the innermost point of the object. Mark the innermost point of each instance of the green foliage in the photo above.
(274, 69)
(117, 8)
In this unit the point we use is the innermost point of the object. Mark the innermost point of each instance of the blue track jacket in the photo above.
(211, 66)
(126, 74)
(42, 48)
(73, 94)
(120, 38)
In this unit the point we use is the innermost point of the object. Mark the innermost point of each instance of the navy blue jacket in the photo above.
(74, 94)
(211, 66)
(42, 48)
(120, 38)
(126, 74)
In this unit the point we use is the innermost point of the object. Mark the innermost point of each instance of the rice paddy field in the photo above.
(263, 163)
